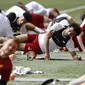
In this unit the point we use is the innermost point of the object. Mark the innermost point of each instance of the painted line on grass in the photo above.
(25, 79)
(73, 9)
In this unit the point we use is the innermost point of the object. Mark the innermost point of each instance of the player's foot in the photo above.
(77, 58)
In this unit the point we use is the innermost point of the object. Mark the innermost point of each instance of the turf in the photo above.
(54, 68)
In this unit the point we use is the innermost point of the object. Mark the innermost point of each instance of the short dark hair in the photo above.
(11, 16)
(27, 16)
(77, 28)
(19, 3)
(82, 16)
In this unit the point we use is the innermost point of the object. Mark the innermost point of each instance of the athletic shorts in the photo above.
(32, 44)
(38, 20)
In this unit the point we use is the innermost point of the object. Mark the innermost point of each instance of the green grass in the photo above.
(60, 4)
(52, 68)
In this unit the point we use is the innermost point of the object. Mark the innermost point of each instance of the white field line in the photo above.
(25, 79)
(73, 9)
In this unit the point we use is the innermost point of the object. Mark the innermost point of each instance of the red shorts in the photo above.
(5, 68)
(32, 44)
(38, 20)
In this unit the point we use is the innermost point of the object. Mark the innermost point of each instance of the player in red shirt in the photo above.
(7, 49)
(5, 70)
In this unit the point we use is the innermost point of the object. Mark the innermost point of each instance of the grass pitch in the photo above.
(54, 68)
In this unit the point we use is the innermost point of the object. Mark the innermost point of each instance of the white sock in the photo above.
(38, 30)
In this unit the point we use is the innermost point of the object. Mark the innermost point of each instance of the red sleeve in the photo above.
(83, 28)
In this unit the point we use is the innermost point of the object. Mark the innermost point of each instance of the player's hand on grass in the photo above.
(47, 56)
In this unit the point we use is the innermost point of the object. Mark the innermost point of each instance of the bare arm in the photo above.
(31, 27)
(70, 46)
(71, 21)
(47, 37)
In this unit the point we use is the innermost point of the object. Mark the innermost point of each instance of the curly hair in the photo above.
(76, 28)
